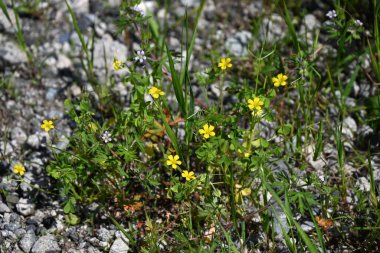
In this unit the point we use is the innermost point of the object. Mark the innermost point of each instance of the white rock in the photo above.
(80, 6)
(34, 141)
(119, 246)
(190, 3)
(6, 148)
(363, 184)
(46, 244)
(63, 62)
(24, 207)
(10, 52)
(349, 127)
(27, 241)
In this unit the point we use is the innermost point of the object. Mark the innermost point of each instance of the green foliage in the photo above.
(190, 169)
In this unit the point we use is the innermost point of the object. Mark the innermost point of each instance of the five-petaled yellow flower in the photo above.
(279, 80)
(117, 64)
(255, 104)
(188, 175)
(19, 169)
(225, 63)
(156, 92)
(47, 125)
(207, 131)
(173, 161)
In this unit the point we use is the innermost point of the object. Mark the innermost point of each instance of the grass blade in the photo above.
(177, 85)
(5, 11)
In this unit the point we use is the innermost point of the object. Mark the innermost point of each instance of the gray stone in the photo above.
(11, 226)
(310, 23)
(75, 90)
(190, 3)
(63, 62)
(4, 208)
(10, 52)
(308, 226)
(254, 9)
(363, 184)
(62, 143)
(27, 241)
(280, 220)
(237, 44)
(24, 207)
(272, 28)
(6, 148)
(80, 6)
(51, 94)
(244, 36)
(34, 141)
(119, 246)
(114, 3)
(349, 127)
(12, 199)
(111, 48)
(19, 135)
(104, 235)
(234, 46)
(46, 244)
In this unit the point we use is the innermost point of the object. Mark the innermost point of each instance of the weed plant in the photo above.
(177, 173)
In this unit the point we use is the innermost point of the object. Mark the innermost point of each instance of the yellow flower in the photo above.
(279, 80)
(156, 92)
(47, 125)
(255, 104)
(173, 161)
(188, 175)
(245, 192)
(225, 63)
(207, 131)
(117, 64)
(257, 113)
(19, 169)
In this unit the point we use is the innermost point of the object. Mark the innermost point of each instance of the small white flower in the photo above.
(106, 136)
(331, 14)
(139, 9)
(140, 56)
(358, 22)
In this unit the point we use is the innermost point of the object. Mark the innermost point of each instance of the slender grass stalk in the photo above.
(342, 171)
(221, 96)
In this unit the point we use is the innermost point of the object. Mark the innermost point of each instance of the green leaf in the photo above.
(285, 129)
(69, 207)
(72, 219)
(177, 85)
